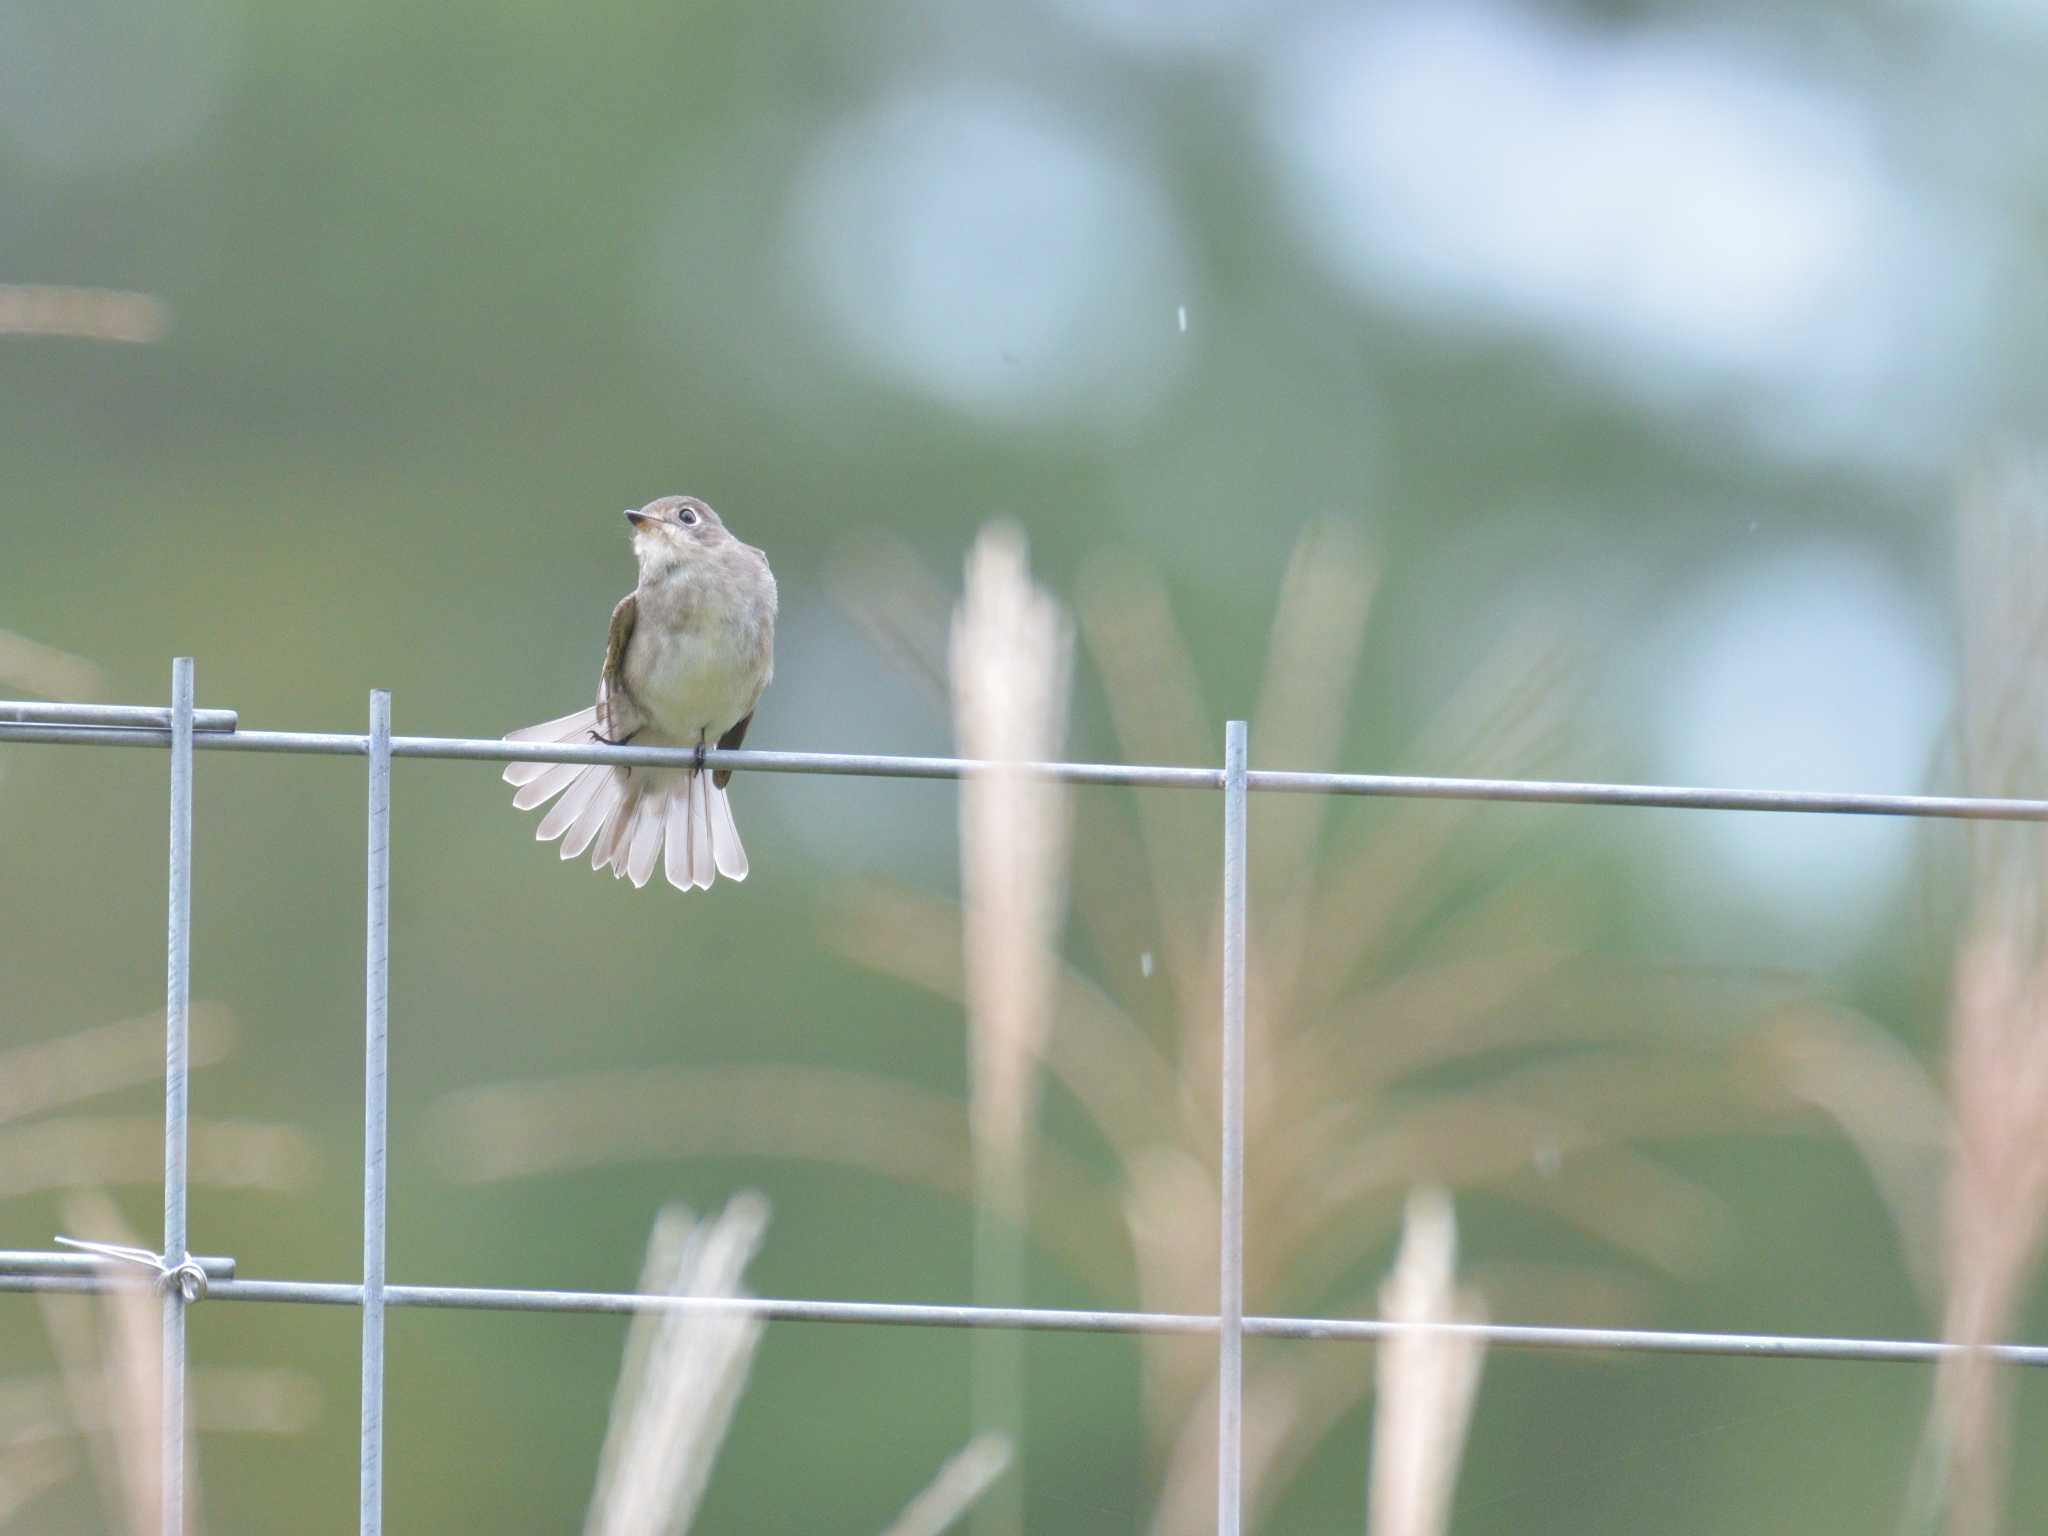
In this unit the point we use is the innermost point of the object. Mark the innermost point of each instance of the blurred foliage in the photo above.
(443, 288)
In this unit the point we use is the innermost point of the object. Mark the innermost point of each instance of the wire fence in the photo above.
(184, 1280)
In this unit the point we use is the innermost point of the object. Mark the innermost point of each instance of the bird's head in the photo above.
(672, 528)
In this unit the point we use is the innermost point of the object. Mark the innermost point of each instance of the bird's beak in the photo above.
(636, 518)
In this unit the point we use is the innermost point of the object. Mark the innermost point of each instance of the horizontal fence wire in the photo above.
(1343, 1330)
(1351, 1330)
(1137, 776)
(32, 1264)
(185, 729)
(153, 716)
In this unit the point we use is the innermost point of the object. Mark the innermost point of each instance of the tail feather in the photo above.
(676, 860)
(611, 841)
(703, 870)
(726, 847)
(554, 778)
(562, 728)
(563, 813)
(591, 821)
(629, 820)
(576, 727)
(646, 836)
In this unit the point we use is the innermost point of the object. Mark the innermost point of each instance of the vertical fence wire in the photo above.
(177, 1063)
(1230, 1307)
(376, 1048)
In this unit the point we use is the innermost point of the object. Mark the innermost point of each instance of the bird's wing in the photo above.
(617, 711)
(729, 742)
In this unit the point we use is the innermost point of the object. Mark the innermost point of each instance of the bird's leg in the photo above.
(608, 714)
(701, 749)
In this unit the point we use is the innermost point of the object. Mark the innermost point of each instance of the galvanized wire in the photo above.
(177, 1063)
(74, 1265)
(376, 1111)
(867, 765)
(1341, 1330)
(183, 729)
(1230, 1303)
(155, 716)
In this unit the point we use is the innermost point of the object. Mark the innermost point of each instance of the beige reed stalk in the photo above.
(682, 1375)
(1425, 1381)
(1995, 1203)
(1011, 661)
(112, 1377)
(953, 1490)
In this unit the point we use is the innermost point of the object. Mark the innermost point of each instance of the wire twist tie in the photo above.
(185, 1277)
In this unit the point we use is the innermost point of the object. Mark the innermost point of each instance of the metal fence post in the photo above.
(376, 1050)
(1230, 1309)
(177, 1062)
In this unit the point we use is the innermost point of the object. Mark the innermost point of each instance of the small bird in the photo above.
(690, 649)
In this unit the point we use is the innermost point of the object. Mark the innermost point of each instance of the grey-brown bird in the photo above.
(691, 647)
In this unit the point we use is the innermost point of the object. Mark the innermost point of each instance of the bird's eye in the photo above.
(687, 517)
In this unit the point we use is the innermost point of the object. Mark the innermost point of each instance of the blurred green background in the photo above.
(1682, 323)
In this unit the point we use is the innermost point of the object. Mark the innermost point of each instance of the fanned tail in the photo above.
(703, 843)
(622, 817)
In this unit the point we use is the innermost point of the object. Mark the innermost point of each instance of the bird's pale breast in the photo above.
(698, 659)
